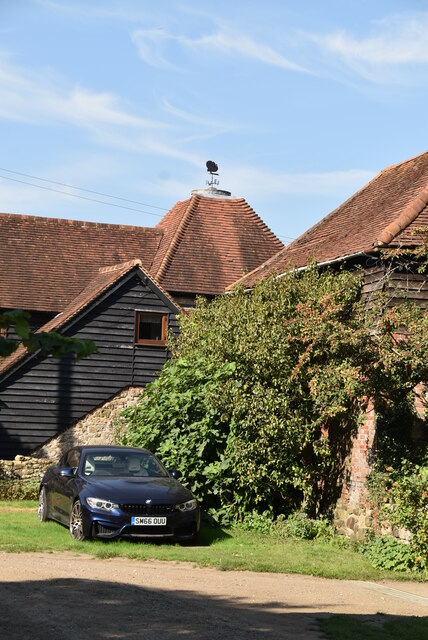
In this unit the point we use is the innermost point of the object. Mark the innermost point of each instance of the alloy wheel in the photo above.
(42, 508)
(76, 522)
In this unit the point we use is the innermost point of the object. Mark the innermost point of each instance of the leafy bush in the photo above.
(18, 489)
(297, 525)
(400, 499)
(386, 552)
(409, 501)
(177, 418)
(266, 389)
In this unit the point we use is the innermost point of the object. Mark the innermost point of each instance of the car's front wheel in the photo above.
(42, 508)
(76, 522)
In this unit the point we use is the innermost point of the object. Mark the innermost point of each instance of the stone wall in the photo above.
(352, 520)
(96, 427)
(23, 468)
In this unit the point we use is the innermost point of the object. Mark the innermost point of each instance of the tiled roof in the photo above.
(200, 246)
(209, 242)
(46, 262)
(384, 213)
(105, 278)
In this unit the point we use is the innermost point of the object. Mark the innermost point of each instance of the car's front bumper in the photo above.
(116, 524)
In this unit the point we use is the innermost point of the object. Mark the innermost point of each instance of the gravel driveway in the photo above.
(70, 596)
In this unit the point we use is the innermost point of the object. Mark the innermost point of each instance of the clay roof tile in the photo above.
(387, 211)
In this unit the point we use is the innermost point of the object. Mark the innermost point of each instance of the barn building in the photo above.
(121, 286)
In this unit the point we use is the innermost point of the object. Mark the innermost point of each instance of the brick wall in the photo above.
(352, 516)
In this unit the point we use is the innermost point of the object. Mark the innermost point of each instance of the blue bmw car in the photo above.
(111, 492)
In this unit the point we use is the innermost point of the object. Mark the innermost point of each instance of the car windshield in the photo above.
(130, 464)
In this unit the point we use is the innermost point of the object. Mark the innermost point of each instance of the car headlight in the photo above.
(187, 506)
(104, 505)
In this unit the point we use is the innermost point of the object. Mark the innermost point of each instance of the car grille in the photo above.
(148, 509)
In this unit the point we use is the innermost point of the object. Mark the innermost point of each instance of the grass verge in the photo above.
(226, 549)
(350, 628)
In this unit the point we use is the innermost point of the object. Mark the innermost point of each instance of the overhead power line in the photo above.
(70, 186)
(99, 193)
(75, 195)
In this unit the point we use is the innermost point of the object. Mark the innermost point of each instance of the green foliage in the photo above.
(396, 424)
(297, 526)
(297, 350)
(409, 500)
(386, 552)
(400, 499)
(17, 489)
(271, 432)
(48, 342)
(177, 417)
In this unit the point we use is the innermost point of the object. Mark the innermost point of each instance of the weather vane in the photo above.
(212, 168)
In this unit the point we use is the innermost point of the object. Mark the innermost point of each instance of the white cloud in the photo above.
(37, 99)
(397, 44)
(33, 97)
(151, 45)
(256, 182)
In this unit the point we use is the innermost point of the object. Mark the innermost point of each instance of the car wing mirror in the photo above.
(175, 474)
(67, 472)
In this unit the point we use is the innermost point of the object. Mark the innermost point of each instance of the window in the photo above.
(151, 328)
(73, 458)
(70, 459)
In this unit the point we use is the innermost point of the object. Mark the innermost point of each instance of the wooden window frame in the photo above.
(164, 330)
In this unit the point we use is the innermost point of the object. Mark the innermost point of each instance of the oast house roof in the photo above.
(210, 242)
(200, 246)
(387, 212)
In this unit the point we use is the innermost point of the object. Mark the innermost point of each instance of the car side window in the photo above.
(72, 459)
(63, 461)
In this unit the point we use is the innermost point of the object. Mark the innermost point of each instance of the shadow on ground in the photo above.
(70, 609)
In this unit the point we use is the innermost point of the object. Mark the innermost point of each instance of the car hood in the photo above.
(137, 490)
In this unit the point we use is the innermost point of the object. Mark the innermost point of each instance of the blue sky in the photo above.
(299, 103)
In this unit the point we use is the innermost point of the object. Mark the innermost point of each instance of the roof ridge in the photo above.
(159, 224)
(406, 217)
(69, 221)
(329, 216)
(399, 164)
(259, 221)
(120, 265)
(166, 260)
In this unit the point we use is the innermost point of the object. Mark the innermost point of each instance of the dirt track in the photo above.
(67, 596)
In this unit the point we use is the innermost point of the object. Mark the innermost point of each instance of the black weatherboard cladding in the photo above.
(45, 396)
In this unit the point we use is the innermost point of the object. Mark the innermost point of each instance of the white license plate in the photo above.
(149, 521)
